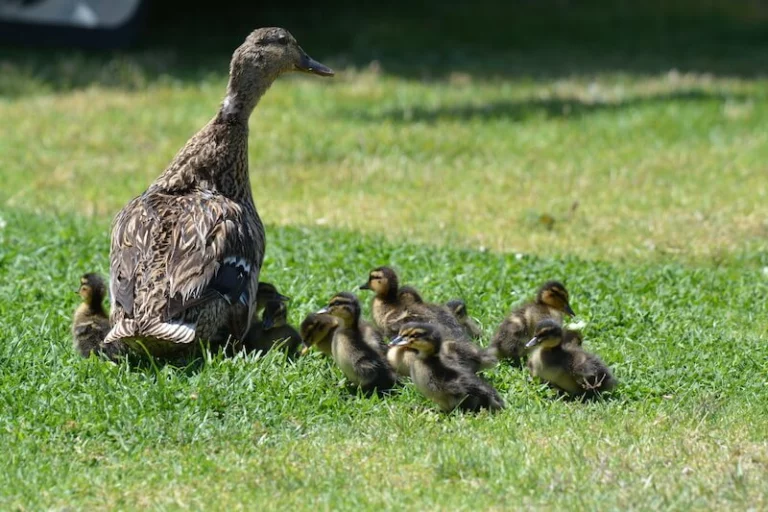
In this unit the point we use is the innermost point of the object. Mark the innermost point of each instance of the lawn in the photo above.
(639, 178)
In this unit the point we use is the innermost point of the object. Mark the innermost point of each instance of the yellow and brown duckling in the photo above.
(186, 254)
(273, 331)
(317, 332)
(409, 295)
(459, 309)
(362, 364)
(551, 302)
(391, 310)
(566, 366)
(449, 386)
(90, 324)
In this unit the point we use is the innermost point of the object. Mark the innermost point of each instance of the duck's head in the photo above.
(409, 295)
(547, 333)
(345, 306)
(275, 314)
(92, 288)
(316, 327)
(274, 51)
(382, 281)
(554, 295)
(458, 307)
(267, 293)
(421, 337)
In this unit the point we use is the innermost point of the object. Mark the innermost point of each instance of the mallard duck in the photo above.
(186, 254)
(361, 363)
(90, 324)
(517, 328)
(449, 386)
(566, 366)
(391, 310)
(317, 331)
(459, 309)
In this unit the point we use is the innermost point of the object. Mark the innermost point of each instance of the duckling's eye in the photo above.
(281, 39)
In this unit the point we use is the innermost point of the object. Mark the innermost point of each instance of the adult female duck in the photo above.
(186, 254)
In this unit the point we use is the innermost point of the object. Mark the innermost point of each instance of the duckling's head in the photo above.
(458, 307)
(424, 338)
(275, 314)
(92, 288)
(345, 306)
(268, 293)
(316, 327)
(409, 295)
(383, 281)
(554, 295)
(548, 334)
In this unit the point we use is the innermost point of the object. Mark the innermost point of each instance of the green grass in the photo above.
(460, 165)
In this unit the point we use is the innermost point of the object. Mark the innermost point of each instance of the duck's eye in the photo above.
(282, 39)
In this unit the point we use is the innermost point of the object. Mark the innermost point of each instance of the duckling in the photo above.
(90, 324)
(409, 295)
(317, 331)
(361, 363)
(449, 386)
(391, 310)
(517, 328)
(566, 367)
(459, 309)
(186, 254)
(273, 329)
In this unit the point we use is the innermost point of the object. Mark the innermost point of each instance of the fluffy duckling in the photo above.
(361, 363)
(566, 366)
(274, 330)
(317, 331)
(91, 325)
(409, 295)
(391, 310)
(518, 327)
(186, 254)
(449, 386)
(459, 309)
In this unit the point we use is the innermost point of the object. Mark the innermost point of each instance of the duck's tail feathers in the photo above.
(166, 331)
(125, 328)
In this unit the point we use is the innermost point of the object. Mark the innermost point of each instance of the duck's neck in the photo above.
(243, 94)
(216, 158)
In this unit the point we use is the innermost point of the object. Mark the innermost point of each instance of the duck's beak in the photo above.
(304, 350)
(325, 311)
(365, 286)
(398, 341)
(534, 341)
(283, 298)
(568, 309)
(309, 65)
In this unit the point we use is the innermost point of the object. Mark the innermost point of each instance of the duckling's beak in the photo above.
(267, 323)
(398, 341)
(283, 298)
(365, 286)
(569, 310)
(534, 341)
(304, 350)
(325, 310)
(309, 65)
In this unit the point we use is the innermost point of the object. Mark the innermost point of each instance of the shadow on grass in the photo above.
(427, 41)
(520, 110)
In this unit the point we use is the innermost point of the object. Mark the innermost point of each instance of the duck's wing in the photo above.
(189, 250)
